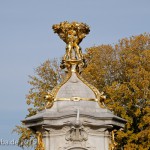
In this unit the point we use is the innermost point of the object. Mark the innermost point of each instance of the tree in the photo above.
(47, 75)
(102, 66)
(122, 71)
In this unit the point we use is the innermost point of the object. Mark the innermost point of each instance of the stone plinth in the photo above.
(80, 125)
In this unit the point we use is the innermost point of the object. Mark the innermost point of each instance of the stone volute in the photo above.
(75, 117)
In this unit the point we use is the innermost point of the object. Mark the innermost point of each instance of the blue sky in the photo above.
(27, 40)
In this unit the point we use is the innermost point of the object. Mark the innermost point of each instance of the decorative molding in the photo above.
(99, 96)
(77, 134)
(58, 131)
(77, 145)
(50, 97)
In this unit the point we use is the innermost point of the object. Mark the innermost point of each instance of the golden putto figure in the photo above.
(73, 62)
(40, 144)
(72, 34)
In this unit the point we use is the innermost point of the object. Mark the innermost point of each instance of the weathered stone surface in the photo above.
(79, 119)
(74, 87)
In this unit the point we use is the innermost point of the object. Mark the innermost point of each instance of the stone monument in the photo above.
(75, 117)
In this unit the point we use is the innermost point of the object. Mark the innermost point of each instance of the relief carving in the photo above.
(77, 134)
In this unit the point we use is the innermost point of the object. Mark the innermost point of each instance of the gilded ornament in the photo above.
(40, 143)
(73, 61)
(113, 142)
(72, 34)
(50, 100)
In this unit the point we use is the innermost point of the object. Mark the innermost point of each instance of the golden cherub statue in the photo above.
(72, 34)
(40, 144)
(113, 143)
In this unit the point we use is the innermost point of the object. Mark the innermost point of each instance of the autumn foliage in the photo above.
(122, 71)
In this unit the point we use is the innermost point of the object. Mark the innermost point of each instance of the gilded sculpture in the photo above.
(72, 34)
(113, 142)
(40, 143)
(50, 100)
(73, 60)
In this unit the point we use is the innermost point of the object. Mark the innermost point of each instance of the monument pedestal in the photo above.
(79, 125)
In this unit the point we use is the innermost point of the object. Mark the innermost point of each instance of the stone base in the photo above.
(75, 126)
